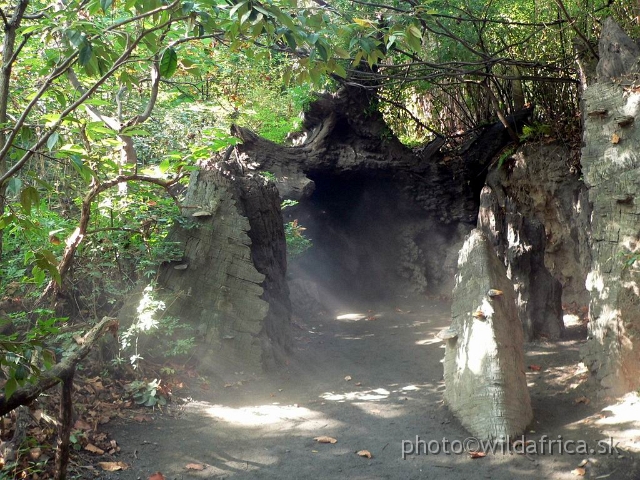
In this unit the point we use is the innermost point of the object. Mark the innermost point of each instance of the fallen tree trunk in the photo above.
(53, 376)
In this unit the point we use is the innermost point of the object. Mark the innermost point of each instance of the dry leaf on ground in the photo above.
(325, 439)
(615, 139)
(348, 378)
(142, 418)
(535, 368)
(194, 466)
(112, 466)
(581, 472)
(477, 454)
(365, 453)
(584, 400)
(157, 476)
(90, 447)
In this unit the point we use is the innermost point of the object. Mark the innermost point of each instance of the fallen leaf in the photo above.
(615, 139)
(358, 384)
(581, 472)
(475, 454)
(365, 453)
(142, 418)
(535, 368)
(90, 447)
(348, 378)
(325, 439)
(583, 462)
(584, 400)
(194, 466)
(157, 476)
(112, 466)
(314, 451)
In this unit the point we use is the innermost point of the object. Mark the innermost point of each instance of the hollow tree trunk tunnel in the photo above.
(370, 241)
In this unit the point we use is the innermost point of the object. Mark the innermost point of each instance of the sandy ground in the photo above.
(372, 384)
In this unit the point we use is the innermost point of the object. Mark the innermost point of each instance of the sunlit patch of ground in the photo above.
(620, 421)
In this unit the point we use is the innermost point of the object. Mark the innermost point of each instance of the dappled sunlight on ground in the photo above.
(621, 421)
(372, 380)
(430, 341)
(282, 417)
(376, 394)
(352, 317)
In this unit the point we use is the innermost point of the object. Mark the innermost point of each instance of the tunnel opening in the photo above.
(371, 242)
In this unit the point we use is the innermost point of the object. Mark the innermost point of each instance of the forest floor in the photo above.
(371, 378)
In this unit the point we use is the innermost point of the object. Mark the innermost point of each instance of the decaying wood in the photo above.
(50, 378)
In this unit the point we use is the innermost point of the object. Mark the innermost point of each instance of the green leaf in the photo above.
(53, 140)
(262, 10)
(168, 63)
(356, 60)
(322, 51)
(10, 387)
(75, 37)
(164, 165)
(105, 5)
(187, 8)
(340, 71)
(28, 197)
(6, 220)
(237, 7)
(364, 22)
(38, 275)
(80, 167)
(14, 185)
(245, 16)
(131, 131)
(291, 40)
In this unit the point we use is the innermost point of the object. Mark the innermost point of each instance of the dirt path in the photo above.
(264, 427)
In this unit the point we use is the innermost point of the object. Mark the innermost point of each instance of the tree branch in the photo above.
(572, 22)
(53, 376)
(71, 108)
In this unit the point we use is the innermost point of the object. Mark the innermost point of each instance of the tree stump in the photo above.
(231, 283)
(611, 167)
(484, 373)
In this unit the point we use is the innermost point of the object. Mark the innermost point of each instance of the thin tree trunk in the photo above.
(64, 431)
(8, 58)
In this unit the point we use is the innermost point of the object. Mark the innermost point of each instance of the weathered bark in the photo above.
(611, 166)
(536, 212)
(520, 243)
(231, 282)
(484, 370)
